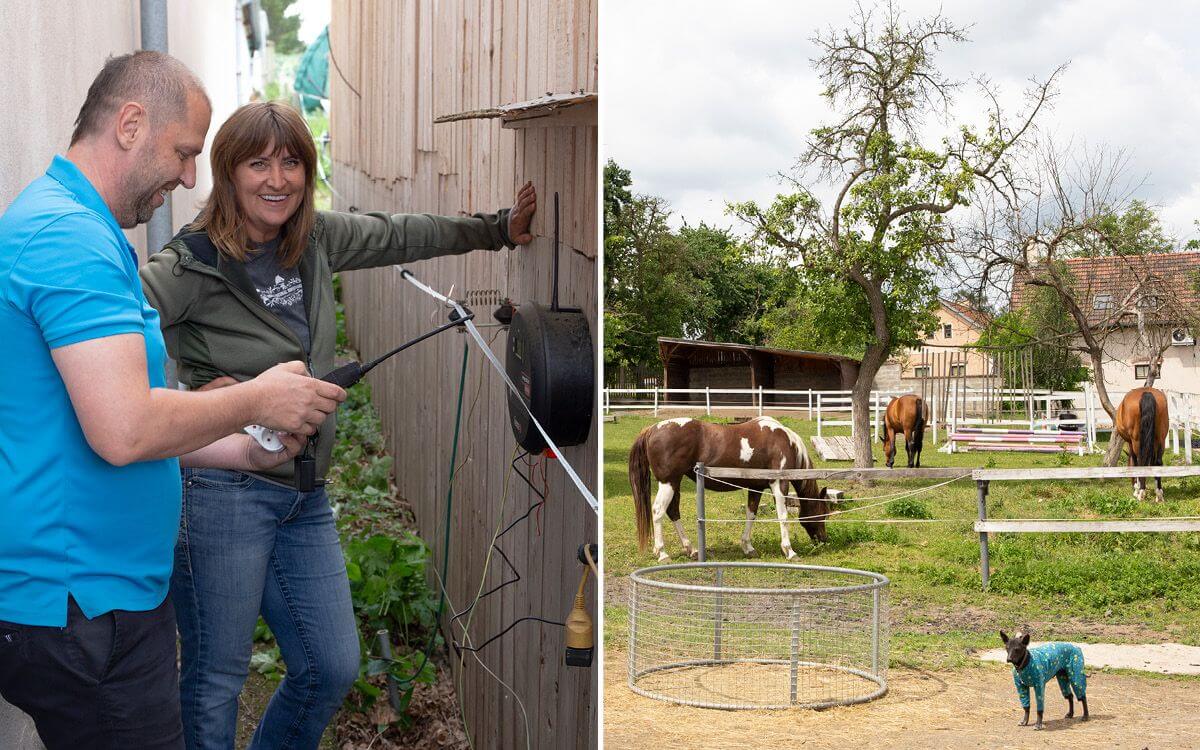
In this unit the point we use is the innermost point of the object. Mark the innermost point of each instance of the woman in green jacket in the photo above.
(246, 286)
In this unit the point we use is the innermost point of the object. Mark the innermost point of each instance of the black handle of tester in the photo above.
(352, 372)
(346, 376)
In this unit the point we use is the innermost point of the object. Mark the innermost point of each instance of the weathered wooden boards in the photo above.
(834, 448)
(405, 62)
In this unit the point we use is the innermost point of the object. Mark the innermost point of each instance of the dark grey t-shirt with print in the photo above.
(279, 288)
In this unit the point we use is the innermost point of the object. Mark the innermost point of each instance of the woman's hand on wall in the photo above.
(521, 215)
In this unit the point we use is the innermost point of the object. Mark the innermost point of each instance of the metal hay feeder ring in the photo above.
(758, 635)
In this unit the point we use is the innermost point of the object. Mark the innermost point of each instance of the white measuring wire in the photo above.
(909, 493)
(487, 352)
(897, 495)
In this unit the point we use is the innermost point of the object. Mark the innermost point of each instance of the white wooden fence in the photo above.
(1037, 408)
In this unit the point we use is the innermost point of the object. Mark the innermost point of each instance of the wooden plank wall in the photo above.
(410, 61)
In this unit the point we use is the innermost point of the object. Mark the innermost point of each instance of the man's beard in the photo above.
(143, 207)
(142, 185)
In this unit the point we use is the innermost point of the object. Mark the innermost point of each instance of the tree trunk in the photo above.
(1115, 443)
(860, 406)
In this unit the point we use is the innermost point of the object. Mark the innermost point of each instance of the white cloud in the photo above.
(705, 102)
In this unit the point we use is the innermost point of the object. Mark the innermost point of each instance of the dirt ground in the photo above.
(974, 708)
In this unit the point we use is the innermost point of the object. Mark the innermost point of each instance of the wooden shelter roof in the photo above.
(669, 348)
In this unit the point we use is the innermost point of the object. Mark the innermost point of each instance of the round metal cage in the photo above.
(758, 635)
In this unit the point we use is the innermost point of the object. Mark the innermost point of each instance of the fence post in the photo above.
(810, 404)
(720, 613)
(760, 401)
(656, 401)
(1187, 427)
(875, 419)
(795, 660)
(818, 415)
(983, 537)
(933, 417)
(700, 541)
(707, 401)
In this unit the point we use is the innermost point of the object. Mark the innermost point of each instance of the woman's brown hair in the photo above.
(245, 135)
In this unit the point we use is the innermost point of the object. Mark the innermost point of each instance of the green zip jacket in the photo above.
(215, 324)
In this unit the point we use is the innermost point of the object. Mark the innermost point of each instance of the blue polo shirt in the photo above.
(71, 523)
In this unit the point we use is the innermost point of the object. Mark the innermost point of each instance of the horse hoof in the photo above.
(790, 554)
(663, 556)
(1158, 496)
(750, 551)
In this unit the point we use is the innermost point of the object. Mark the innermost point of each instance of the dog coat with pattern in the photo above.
(1061, 660)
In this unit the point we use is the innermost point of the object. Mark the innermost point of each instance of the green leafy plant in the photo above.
(909, 507)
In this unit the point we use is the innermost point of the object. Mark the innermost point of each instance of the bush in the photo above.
(909, 507)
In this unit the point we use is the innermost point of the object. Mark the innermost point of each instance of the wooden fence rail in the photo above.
(982, 479)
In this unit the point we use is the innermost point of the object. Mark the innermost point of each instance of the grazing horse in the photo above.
(906, 414)
(1142, 421)
(671, 449)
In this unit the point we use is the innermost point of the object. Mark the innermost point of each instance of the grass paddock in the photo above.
(1120, 588)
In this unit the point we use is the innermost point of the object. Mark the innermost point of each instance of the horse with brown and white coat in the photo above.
(670, 450)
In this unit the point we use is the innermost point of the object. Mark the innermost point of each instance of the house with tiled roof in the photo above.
(1142, 303)
(947, 350)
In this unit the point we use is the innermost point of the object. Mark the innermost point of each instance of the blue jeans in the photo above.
(248, 547)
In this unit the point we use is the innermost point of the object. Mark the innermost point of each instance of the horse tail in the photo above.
(639, 481)
(919, 424)
(1147, 416)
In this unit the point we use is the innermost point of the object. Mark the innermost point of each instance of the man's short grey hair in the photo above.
(155, 80)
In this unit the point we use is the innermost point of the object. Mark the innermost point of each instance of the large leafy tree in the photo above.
(874, 246)
(283, 29)
(699, 282)
(652, 282)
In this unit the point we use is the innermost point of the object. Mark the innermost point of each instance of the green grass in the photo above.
(1111, 587)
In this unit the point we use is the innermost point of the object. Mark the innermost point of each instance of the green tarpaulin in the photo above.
(312, 77)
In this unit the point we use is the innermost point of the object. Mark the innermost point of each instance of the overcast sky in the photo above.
(706, 101)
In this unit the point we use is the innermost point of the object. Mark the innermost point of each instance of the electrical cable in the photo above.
(462, 383)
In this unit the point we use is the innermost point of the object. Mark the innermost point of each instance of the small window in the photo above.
(921, 372)
(947, 330)
(1148, 302)
(1141, 372)
(959, 368)
(1102, 302)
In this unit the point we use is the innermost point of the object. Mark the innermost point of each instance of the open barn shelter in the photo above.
(448, 107)
(710, 364)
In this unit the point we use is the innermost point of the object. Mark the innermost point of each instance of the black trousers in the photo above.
(105, 683)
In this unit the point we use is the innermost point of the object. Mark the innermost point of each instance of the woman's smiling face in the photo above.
(269, 189)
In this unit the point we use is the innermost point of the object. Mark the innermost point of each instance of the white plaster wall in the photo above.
(50, 54)
(53, 50)
(1180, 368)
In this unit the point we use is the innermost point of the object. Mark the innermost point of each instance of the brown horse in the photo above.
(1142, 420)
(906, 414)
(672, 448)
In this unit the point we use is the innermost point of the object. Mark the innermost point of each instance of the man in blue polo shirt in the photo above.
(89, 488)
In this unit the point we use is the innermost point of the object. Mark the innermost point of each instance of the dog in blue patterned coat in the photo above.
(1034, 667)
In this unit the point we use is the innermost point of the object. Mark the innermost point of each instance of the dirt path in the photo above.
(975, 708)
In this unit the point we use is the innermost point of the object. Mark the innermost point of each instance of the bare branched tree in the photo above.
(886, 227)
(1057, 231)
